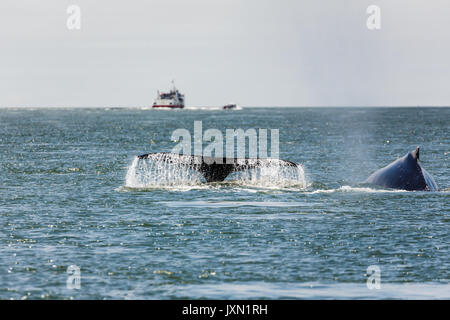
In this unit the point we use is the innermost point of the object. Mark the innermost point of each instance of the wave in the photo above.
(46, 171)
(311, 290)
(231, 204)
(356, 189)
(203, 108)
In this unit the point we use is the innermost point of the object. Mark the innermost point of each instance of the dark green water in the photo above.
(64, 201)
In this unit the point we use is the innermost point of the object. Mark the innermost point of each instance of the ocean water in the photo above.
(72, 193)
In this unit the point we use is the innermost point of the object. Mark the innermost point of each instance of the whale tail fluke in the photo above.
(215, 169)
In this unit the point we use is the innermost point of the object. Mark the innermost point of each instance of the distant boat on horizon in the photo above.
(231, 106)
(172, 99)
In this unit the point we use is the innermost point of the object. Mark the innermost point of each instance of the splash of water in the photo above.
(155, 172)
(159, 171)
(271, 175)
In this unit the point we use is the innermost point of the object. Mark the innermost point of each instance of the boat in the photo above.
(172, 99)
(230, 106)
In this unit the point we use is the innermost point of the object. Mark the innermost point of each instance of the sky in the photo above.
(252, 52)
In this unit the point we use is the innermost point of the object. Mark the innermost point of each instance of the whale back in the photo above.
(405, 173)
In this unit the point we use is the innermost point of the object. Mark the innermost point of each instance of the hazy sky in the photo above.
(253, 52)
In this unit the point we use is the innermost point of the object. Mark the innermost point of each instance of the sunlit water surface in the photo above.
(73, 193)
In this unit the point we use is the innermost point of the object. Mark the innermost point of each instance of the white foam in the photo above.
(203, 108)
(356, 189)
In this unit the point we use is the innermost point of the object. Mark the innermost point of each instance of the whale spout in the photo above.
(405, 173)
(215, 169)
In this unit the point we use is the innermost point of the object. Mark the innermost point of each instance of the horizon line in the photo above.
(215, 107)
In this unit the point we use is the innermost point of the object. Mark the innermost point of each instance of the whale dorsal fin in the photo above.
(416, 153)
